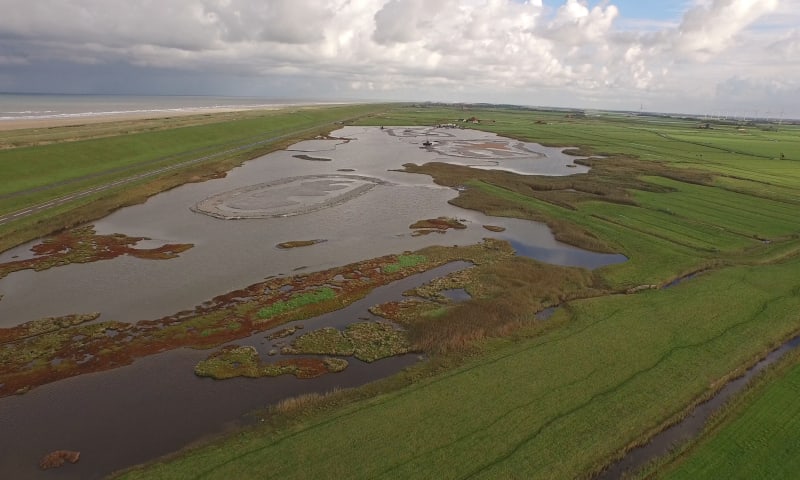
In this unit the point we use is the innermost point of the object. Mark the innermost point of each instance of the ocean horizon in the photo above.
(42, 106)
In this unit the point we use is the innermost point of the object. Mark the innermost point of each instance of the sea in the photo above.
(15, 106)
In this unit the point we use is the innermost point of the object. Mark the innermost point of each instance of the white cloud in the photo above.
(750, 96)
(485, 50)
(788, 46)
(709, 29)
(575, 24)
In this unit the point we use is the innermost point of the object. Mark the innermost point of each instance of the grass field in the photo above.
(562, 399)
(755, 438)
(555, 405)
(41, 165)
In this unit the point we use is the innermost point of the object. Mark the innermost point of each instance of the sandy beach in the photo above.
(29, 123)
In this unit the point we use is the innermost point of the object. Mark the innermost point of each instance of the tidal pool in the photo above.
(231, 254)
(156, 405)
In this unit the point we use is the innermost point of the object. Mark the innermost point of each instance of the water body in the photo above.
(157, 405)
(688, 428)
(41, 107)
(132, 414)
(559, 255)
(231, 254)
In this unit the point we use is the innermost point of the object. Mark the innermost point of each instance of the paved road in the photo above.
(34, 209)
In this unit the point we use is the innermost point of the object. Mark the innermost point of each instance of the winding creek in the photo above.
(156, 405)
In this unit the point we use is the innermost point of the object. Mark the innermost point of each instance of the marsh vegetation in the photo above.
(503, 393)
(617, 368)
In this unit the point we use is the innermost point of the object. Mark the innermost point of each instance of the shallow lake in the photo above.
(355, 200)
(231, 254)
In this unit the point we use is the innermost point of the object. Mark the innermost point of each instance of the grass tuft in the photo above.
(301, 300)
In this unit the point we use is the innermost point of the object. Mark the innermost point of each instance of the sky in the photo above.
(715, 57)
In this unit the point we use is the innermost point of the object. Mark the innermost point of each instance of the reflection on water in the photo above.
(490, 152)
(691, 426)
(132, 414)
(573, 257)
(456, 295)
(231, 254)
(157, 405)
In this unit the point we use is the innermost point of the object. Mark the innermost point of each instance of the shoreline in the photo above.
(109, 117)
(77, 119)
(651, 370)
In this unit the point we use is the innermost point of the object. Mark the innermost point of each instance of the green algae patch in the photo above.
(300, 300)
(366, 341)
(237, 361)
(31, 358)
(376, 340)
(335, 365)
(48, 349)
(44, 325)
(324, 341)
(504, 291)
(403, 262)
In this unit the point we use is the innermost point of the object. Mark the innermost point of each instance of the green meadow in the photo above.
(565, 397)
(40, 165)
(553, 404)
(755, 437)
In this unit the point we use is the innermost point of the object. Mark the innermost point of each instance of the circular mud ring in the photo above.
(495, 149)
(286, 197)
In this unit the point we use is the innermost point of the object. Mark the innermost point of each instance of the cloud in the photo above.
(404, 21)
(481, 49)
(766, 92)
(281, 21)
(787, 46)
(576, 24)
(13, 60)
(709, 29)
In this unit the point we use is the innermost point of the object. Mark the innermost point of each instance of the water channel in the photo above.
(691, 426)
(157, 405)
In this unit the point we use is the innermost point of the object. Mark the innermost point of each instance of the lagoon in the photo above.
(231, 254)
(156, 405)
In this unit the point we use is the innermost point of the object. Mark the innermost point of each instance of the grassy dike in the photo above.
(561, 399)
(40, 165)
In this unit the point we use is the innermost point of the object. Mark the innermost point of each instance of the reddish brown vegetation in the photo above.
(305, 367)
(71, 350)
(505, 295)
(439, 225)
(58, 458)
(42, 326)
(82, 245)
(299, 243)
